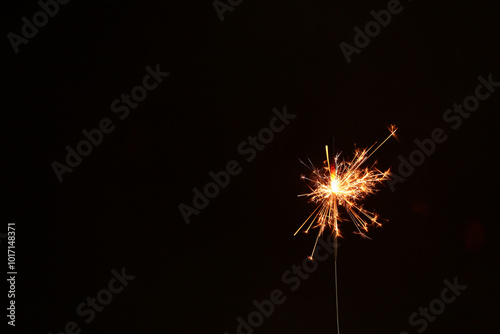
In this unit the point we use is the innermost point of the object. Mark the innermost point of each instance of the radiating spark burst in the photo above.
(344, 184)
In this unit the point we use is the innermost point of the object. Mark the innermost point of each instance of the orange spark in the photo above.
(344, 184)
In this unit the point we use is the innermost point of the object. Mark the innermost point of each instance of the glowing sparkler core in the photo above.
(344, 184)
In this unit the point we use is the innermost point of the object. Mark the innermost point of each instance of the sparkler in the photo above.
(343, 184)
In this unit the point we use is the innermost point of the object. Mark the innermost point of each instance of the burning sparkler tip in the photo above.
(341, 183)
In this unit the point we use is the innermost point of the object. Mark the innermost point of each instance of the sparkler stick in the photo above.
(335, 246)
(346, 184)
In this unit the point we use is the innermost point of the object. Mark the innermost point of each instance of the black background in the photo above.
(119, 208)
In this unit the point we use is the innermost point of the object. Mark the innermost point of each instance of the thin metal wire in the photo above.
(336, 290)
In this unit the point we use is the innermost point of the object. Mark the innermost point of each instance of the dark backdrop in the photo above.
(119, 207)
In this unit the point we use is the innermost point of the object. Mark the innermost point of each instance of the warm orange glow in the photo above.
(344, 184)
